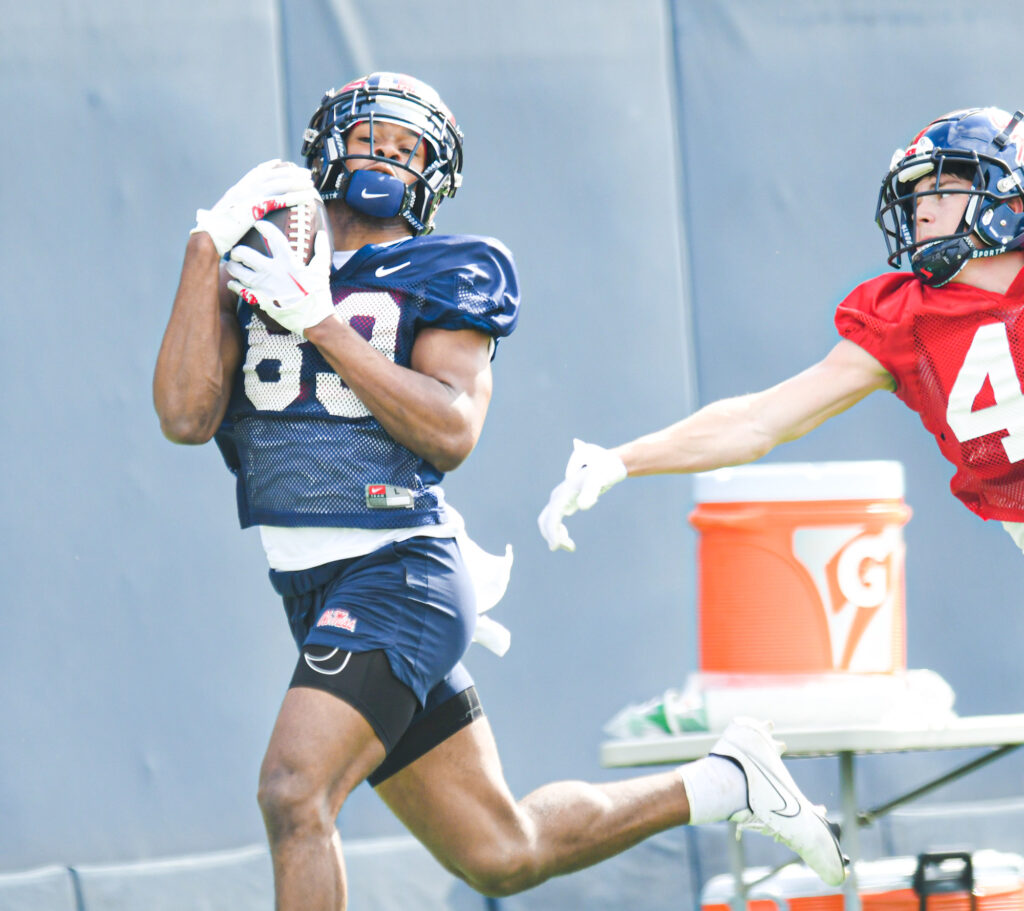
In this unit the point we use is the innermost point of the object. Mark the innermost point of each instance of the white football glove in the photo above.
(271, 185)
(591, 471)
(293, 294)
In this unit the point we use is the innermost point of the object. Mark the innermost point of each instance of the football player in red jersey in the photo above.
(339, 391)
(947, 338)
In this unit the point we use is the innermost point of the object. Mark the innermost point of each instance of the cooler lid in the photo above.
(866, 480)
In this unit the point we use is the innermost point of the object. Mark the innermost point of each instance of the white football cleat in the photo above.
(777, 808)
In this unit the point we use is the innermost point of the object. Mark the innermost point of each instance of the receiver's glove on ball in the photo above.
(275, 184)
(291, 293)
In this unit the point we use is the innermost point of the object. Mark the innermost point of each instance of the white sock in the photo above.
(715, 787)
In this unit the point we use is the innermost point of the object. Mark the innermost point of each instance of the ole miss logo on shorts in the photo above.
(338, 618)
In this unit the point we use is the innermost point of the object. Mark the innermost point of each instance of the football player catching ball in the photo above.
(339, 391)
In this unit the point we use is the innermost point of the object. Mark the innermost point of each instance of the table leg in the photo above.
(738, 865)
(850, 830)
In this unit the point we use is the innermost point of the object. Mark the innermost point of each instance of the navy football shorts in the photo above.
(411, 601)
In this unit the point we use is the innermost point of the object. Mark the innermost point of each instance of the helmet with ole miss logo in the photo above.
(984, 146)
(385, 98)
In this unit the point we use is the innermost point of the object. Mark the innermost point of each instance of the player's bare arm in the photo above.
(201, 349)
(731, 431)
(953, 204)
(202, 345)
(436, 407)
(738, 430)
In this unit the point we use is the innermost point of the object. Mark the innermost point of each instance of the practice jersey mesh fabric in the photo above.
(303, 447)
(956, 354)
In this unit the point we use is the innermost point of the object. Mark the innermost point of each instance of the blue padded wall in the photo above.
(148, 651)
(138, 633)
(49, 888)
(688, 189)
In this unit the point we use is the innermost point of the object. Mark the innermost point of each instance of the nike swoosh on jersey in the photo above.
(366, 195)
(385, 271)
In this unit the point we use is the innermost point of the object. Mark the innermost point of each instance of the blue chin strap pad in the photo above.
(375, 193)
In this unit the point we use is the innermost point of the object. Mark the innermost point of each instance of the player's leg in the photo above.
(455, 800)
(372, 629)
(320, 749)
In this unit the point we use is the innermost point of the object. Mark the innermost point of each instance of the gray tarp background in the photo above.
(688, 188)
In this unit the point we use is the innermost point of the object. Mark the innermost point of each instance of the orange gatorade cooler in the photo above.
(800, 568)
(949, 881)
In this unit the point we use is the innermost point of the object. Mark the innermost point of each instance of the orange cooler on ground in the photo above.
(949, 881)
(801, 568)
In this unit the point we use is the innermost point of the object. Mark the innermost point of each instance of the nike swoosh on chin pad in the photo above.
(375, 193)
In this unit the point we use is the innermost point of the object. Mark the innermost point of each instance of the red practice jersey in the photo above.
(957, 355)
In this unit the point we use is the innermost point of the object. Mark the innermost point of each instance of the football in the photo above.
(298, 223)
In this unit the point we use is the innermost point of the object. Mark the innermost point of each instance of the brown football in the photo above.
(299, 223)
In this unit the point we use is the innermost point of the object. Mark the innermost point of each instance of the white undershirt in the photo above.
(304, 546)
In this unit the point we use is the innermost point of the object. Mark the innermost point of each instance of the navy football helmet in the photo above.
(392, 98)
(982, 145)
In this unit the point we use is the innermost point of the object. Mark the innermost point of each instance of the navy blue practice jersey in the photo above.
(305, 450)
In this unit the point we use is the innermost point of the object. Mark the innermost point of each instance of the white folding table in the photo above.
(1002, 733)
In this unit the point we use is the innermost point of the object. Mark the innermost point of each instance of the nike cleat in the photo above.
(775, 805)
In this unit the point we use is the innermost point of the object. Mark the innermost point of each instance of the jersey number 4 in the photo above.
(989, 357)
